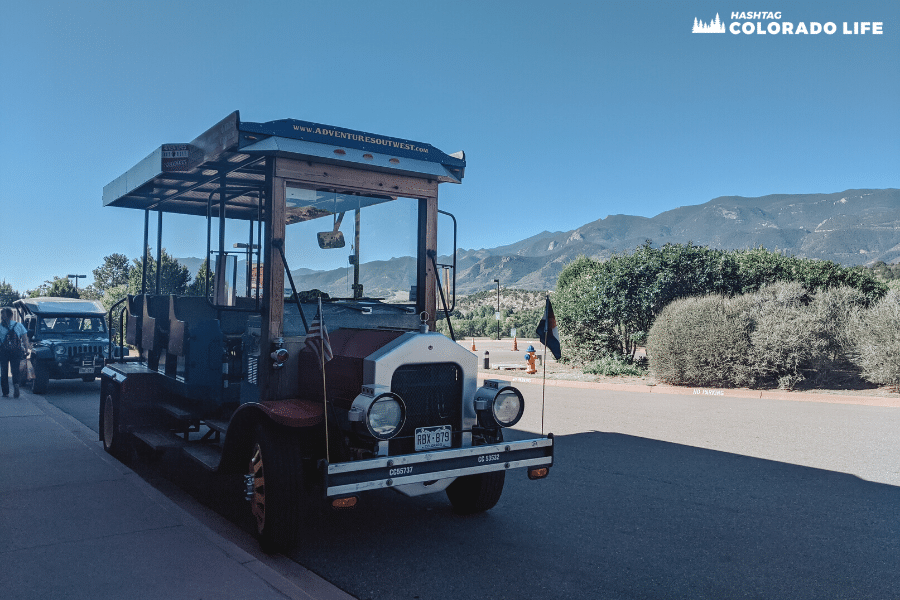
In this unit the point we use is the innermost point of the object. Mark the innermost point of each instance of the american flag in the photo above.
(317, 337)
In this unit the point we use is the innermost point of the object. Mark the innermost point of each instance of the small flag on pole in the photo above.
(547, 331)
(317, 337)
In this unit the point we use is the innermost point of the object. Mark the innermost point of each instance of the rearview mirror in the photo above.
(330, 239)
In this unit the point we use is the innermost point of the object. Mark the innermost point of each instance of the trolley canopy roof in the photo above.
(181, 178)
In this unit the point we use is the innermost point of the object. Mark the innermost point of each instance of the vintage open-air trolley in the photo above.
(234, 377)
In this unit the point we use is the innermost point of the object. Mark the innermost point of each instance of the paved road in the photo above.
(653, 496)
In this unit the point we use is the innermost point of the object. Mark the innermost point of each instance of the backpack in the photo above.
(11, 346)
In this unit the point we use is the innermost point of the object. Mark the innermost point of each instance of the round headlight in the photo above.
(60, 350)
(508, 407)
(386, 416)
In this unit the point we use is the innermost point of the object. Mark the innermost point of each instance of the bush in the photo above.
(875, 340)
(701, 341)
(608, 307)
(781, 334)
(613, 364)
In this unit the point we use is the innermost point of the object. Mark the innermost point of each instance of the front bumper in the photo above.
(389, 471)
(72, 369)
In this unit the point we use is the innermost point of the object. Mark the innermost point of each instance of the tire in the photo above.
(114, 441)
(276, 466)
(472, 494)
(41, 377)
(88, 378)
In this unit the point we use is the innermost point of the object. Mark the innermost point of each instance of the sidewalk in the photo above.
(76, 523)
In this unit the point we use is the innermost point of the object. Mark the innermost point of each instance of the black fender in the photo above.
(41, 353)
(240, 437)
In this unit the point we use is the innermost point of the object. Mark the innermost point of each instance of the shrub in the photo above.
(781, 334)
(614, 364)
(875, 340)
(798, 334)
(701, 341)
(607, 306)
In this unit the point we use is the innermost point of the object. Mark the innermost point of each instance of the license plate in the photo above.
(429, 438)
(86, 370)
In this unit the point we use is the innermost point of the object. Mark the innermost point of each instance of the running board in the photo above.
(207, 455)
(159, 439)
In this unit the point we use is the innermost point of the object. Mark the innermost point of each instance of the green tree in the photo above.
(59, 287)
(610, 306)
(113, 272)
(7, 294)
(174, 277)
(197, 287)
(113, 295)
(759, 267)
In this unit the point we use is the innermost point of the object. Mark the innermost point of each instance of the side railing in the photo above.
(121, 331)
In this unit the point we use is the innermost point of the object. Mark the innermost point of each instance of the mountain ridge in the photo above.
(859, 226)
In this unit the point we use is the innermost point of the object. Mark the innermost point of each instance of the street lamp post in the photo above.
(76, 278)
(497, 281)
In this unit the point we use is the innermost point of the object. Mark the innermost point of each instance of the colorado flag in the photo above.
(547, 332)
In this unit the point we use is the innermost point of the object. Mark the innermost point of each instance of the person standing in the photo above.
(13, 337)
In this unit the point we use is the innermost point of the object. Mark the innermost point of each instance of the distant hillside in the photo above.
(851, 228)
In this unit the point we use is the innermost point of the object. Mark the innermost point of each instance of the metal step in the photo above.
(207, 455)
(159, 439)
(181, 415)
(220, 426)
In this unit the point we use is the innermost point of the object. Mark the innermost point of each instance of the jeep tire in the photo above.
(41, 377)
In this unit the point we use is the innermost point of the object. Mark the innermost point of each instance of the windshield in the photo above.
(72, 325)
(351, 246)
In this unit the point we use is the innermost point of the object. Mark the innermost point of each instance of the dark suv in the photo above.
(69, 338)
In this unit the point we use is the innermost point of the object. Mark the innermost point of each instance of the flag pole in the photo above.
(544, 360)
(324, 386)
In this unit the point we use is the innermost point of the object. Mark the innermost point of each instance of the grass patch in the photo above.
(614, 365)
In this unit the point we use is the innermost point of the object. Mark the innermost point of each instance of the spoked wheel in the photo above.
(110, 417)
(472, 494)
(275, 466)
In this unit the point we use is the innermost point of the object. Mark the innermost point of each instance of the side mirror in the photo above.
(330, 239)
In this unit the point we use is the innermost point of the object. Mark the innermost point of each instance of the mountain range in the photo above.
(854, 227)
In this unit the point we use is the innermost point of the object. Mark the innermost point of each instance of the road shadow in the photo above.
(619, 517)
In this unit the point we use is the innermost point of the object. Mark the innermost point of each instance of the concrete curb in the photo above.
(733, 393)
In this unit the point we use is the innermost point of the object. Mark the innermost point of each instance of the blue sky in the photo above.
(568, 112)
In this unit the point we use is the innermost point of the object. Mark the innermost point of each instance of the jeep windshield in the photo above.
(351, 247)
(71, 325)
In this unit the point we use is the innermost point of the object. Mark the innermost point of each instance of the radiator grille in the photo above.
(86, 349)
(252, 368)
(432, 394)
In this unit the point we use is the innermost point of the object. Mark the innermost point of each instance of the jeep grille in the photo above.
(86, 349)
